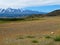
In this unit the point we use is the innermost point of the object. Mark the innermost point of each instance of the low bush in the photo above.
(34, 41)
(47, 36)
(56, 38)
(20, 37)
(30, 36)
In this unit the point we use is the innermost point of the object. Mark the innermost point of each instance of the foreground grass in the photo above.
(34, 41)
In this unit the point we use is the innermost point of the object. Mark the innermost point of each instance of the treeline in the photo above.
(11, 19)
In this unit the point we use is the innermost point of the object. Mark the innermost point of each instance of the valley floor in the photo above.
(10, 32)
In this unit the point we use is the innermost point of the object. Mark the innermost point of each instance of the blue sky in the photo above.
(37, 5)
(48, 8)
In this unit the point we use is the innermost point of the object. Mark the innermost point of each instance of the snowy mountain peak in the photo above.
(10, 12)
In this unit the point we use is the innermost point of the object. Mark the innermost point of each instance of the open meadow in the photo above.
(45, 31)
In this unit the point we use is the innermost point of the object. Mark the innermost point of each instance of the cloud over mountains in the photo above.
(27, 3)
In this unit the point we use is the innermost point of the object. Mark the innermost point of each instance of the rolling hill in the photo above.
(54, 13)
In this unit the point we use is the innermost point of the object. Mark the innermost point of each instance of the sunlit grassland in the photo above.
(31, 32)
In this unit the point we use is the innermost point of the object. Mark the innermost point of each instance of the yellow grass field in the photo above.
(11, 32)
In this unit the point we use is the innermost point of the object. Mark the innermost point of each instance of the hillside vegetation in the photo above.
(54, 13)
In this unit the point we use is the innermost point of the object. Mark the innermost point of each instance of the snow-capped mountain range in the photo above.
(9, 12)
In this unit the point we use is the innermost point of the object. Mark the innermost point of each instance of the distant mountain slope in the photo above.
(54, 13)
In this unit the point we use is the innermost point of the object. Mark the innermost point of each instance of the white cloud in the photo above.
(27, 3)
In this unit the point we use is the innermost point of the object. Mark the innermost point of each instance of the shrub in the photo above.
(34, 41)
(30, 36)
(57, 38)
(47, 36)
(20, 38)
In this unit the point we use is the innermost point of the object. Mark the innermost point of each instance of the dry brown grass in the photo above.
(10, 31)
